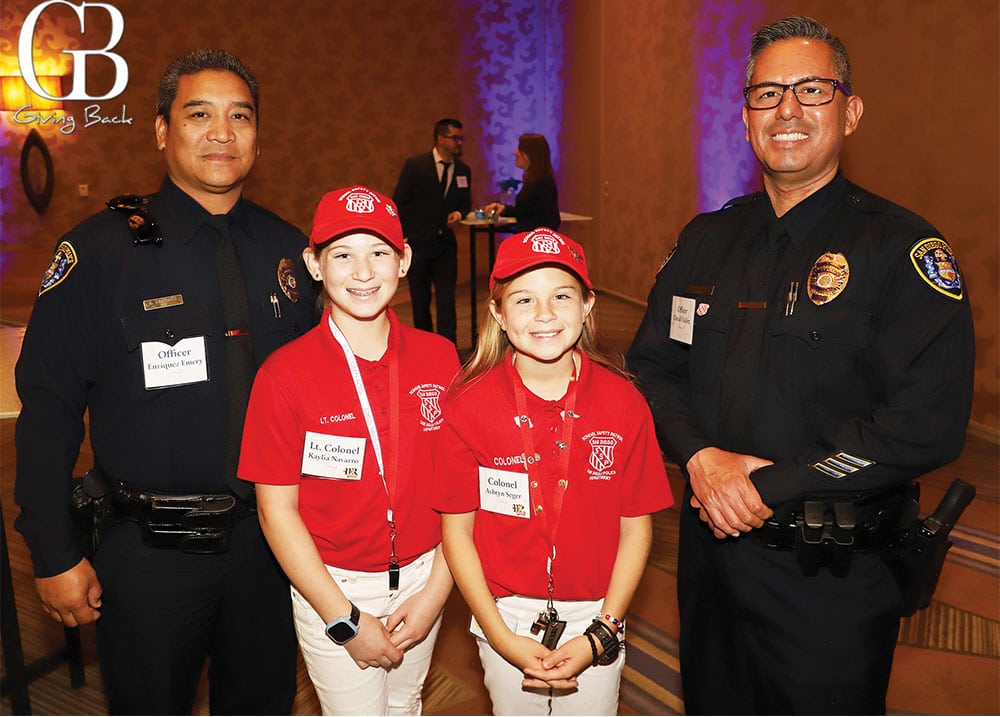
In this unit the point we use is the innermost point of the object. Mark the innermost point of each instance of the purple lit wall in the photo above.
(515, 48)
(720, 43)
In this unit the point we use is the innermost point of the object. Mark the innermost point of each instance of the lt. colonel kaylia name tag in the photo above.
(337, 457)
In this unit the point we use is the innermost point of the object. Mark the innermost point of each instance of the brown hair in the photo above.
(539, 157)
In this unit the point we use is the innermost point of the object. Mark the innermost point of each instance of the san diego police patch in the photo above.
(62, 264)
(935, 263)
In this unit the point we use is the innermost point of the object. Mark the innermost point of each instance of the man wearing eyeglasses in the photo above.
(433, 194)
(153, 318)
(807, 352)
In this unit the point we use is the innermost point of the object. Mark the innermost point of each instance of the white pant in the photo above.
(597, 693)
(342, 687)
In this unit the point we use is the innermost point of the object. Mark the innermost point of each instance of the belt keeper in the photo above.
(843, 523)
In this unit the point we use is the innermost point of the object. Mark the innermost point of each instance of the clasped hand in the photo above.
(726, 498)
(544, 668)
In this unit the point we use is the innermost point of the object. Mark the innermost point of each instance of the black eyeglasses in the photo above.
(455, 137)
(810, 92)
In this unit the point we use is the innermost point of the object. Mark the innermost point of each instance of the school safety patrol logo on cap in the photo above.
(827, 278)
(62, 264)
(936, 265)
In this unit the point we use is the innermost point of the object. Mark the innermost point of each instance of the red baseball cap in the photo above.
(541, 247)
(356, 209)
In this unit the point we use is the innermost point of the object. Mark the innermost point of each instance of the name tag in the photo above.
(682, 320)
(336, 457)
(164, 366)
(504, 492)
(462, 182)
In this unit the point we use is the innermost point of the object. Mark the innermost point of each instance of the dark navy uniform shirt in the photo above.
(864, 383)
(101, 300)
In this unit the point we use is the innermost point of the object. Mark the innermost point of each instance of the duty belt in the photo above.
(827, 534)
(193, 523)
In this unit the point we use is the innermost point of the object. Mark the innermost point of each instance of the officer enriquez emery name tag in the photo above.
(682, 319)
(504, 492)
(164, 365)
(338, 457)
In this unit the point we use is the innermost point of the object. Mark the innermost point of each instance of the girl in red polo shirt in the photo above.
(338, 440)
(547, 486)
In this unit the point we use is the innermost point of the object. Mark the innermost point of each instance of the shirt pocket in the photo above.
(823, 350)
(167, 326)
(709, 345)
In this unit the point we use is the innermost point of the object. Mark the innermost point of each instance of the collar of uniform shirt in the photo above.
(801, 220)
(181, 217)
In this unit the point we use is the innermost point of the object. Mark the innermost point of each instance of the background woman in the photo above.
(537, 204)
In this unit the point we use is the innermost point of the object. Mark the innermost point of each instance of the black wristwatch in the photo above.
(344, 629)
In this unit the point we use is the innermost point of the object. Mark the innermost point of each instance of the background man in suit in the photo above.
(433, 193)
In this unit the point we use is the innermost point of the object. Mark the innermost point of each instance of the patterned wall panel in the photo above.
(726, 164)
(515, 49)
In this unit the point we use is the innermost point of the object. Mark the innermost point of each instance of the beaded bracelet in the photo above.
(613, 620)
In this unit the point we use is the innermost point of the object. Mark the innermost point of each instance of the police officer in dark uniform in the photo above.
(153, 317)
(807, 352)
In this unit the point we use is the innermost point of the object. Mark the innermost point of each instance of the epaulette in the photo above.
(740, 201)
(142, 224)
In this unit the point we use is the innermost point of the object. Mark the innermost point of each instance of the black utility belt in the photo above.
(192, 523)
(827, 534)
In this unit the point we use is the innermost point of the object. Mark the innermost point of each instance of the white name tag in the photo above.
(164, 365)
(339, 457)
(462, 182)
(682, 320)
(504, 492)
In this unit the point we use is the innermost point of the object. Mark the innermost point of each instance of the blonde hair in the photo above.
(493, 346)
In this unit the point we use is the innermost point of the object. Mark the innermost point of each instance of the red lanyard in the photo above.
(548, 515)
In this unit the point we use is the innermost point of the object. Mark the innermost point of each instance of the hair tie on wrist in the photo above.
(593, 648)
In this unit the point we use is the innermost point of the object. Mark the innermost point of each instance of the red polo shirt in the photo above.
(615, 470)
(306, 386)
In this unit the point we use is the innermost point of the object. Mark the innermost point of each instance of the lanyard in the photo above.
(548, 516)
(388, 475)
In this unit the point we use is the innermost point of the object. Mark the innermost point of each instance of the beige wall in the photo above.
(350, 89)
(928, 73)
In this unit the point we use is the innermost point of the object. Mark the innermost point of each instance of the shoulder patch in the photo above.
(936, 265)
(62, 264)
